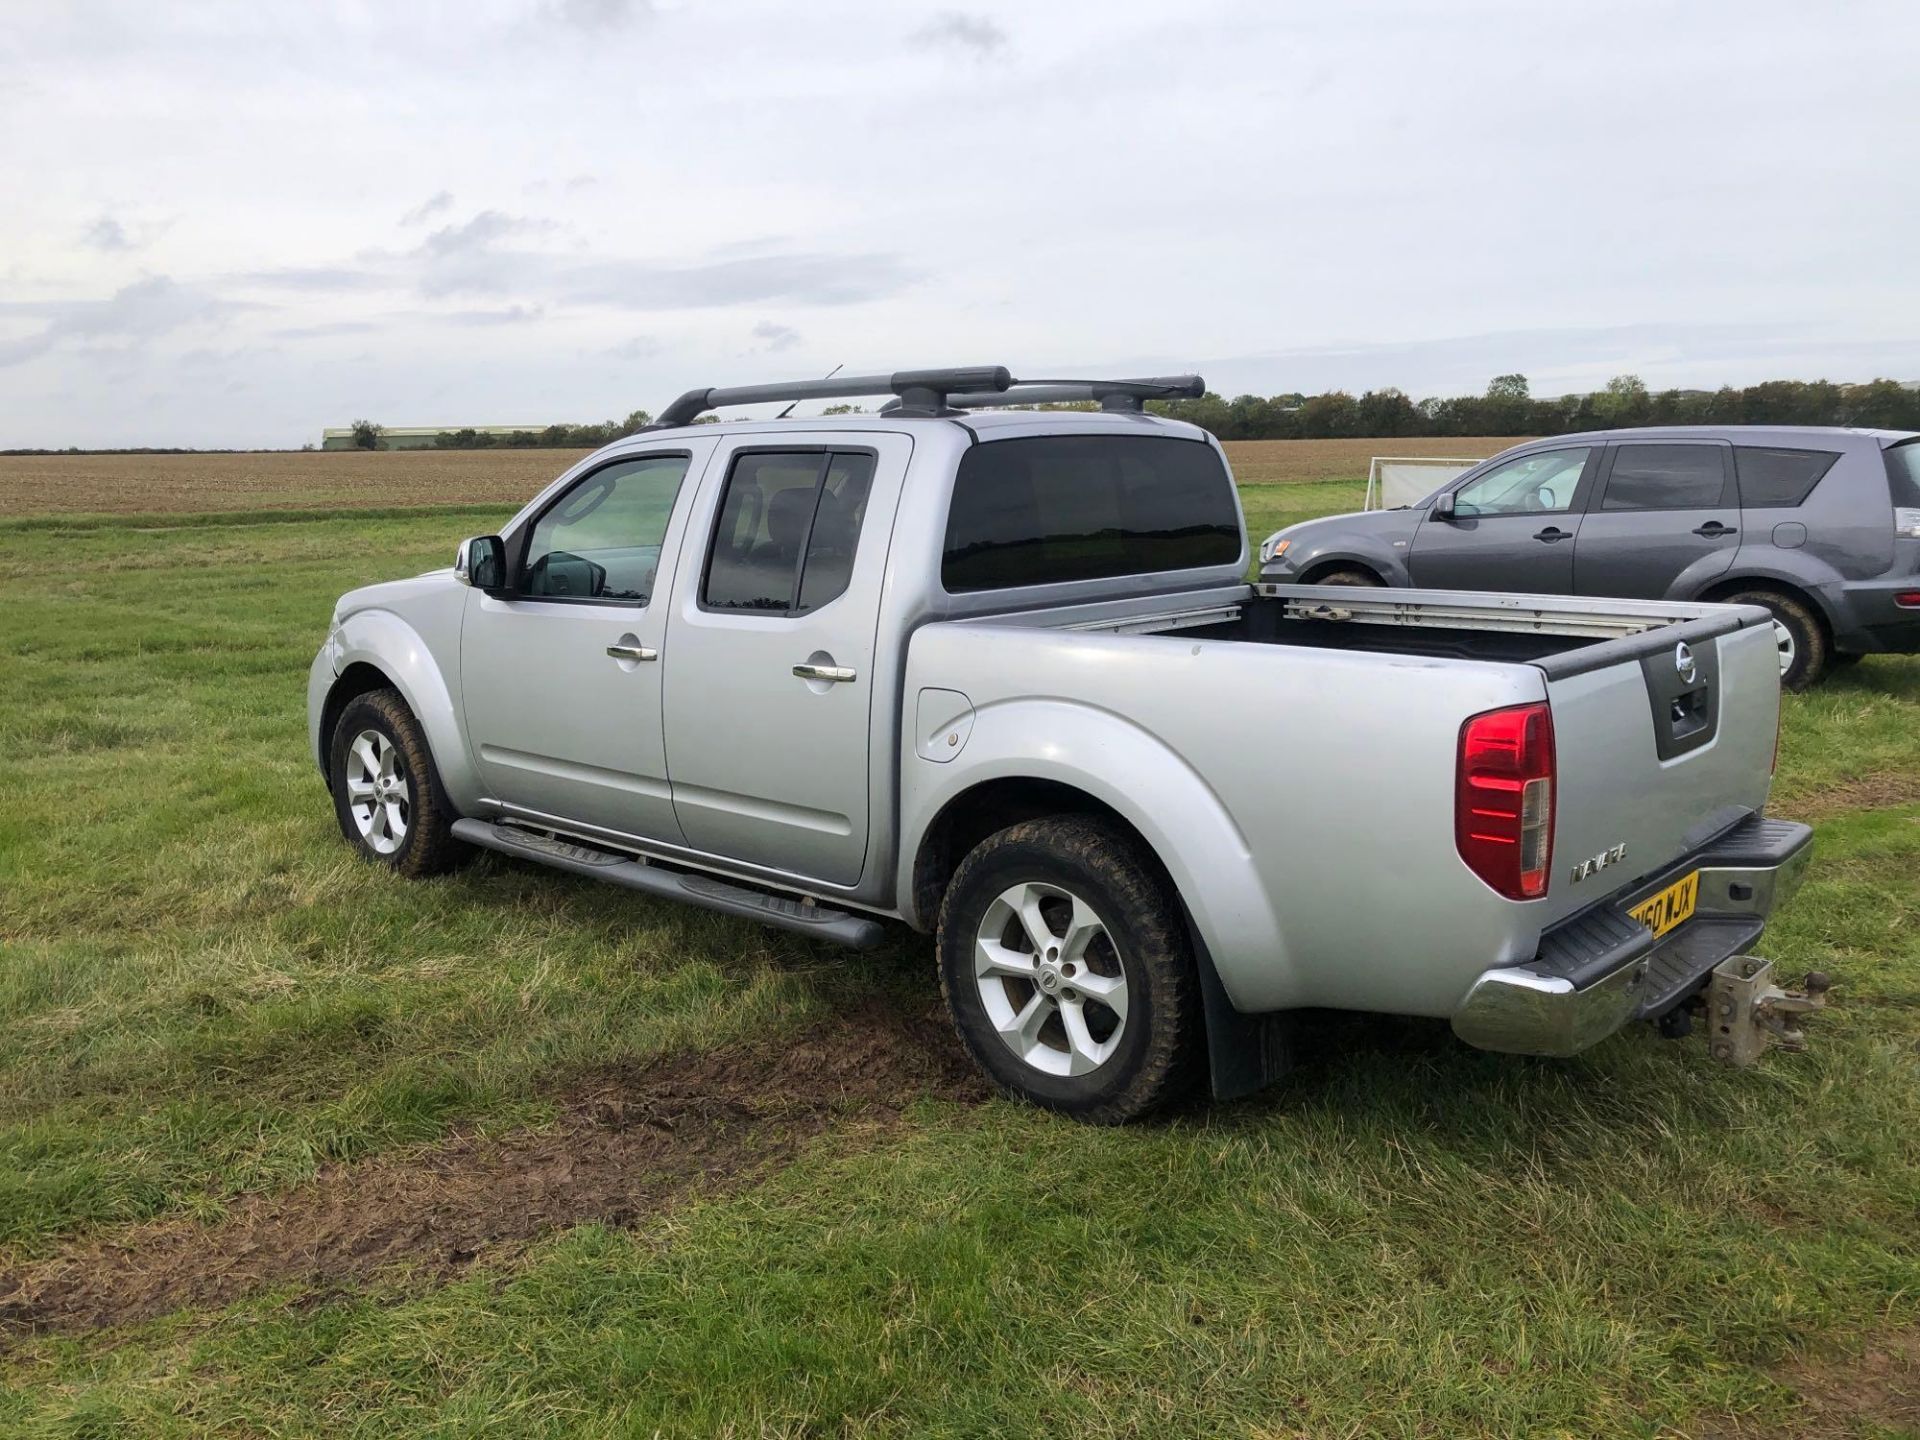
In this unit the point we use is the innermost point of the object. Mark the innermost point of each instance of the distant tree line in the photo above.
(1509, 408)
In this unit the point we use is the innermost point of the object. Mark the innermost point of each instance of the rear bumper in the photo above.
(1867, 621)
(1602, 968)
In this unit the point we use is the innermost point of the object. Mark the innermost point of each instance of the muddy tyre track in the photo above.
(631, 1141)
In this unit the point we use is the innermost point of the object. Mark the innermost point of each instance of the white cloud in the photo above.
(775, 338)
(1383, 193)
(437, 203)
(971, 35)
(108, 234)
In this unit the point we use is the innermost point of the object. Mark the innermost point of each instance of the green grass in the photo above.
(202, 994)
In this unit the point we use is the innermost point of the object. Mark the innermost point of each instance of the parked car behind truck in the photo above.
(999, 675)
(1818, 526)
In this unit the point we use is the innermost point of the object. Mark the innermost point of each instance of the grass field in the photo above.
(290, 1147)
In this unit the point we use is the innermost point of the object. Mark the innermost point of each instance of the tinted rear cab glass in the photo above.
(1055, 508)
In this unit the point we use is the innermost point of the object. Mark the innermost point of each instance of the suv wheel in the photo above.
(1797, 633)
(1349, 576)
(386, 793)
(1068, 972)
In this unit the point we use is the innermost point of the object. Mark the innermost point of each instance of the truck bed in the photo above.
(1326, 722)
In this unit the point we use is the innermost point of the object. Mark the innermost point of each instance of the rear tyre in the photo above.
(1068, 971)
(386, 792)
(1797, 633)
(1349, 576)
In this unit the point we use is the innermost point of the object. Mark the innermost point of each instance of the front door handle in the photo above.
(1552, 533)
(632, 652)
(826, 672)
(1713, 530)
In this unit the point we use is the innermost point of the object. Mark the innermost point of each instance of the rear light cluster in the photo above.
(1503, 799)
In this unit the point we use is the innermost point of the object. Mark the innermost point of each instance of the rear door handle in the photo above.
(1552, 533)
(1713, 530)
(632, 652)
(826, 672)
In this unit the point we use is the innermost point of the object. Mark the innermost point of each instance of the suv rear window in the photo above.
(1903, 474)
(1055, 508)
(1772, 479)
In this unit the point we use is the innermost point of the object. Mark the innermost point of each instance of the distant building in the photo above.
(416, 437)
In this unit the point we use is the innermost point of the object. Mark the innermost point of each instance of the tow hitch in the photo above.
(1746, 1011)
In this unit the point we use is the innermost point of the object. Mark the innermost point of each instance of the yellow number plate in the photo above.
(1660, 913)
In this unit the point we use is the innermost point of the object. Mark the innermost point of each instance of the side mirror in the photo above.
(1443, 506)
(482, 563)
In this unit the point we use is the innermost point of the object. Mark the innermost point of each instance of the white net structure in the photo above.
(1394, 480)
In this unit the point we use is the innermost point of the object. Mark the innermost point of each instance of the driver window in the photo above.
(1539, 484)
(601, 540)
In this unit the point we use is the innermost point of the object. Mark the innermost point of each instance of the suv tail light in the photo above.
(1503, 799)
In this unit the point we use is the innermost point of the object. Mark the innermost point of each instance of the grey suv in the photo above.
(1819, 525)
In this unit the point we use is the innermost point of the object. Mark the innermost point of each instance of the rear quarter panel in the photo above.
(1302, 800)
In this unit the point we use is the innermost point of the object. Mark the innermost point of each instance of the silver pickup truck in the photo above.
(998, 674)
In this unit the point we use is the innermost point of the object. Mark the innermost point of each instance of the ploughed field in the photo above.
(363, 479)
(287, 1145)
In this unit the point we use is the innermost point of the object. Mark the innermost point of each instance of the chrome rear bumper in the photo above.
(1601, 969)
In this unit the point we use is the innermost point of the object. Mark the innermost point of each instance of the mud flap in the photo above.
(1747, 1012)
(1245, 1053)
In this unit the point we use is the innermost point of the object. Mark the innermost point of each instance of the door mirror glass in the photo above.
(482, 563)
(1443, 505)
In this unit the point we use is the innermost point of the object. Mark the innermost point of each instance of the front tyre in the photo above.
(1068, 971)
(386, 793)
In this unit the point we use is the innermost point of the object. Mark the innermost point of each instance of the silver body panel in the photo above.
(1301, 798)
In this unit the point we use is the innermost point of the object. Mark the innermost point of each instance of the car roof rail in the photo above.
(939, 392)
(1126, 397)
(921, 392)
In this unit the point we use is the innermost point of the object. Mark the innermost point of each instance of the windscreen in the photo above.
(1055, 508)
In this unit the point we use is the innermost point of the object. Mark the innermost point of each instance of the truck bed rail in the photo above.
(1475, 610)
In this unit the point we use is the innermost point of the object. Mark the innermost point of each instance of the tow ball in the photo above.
(1747, 1012)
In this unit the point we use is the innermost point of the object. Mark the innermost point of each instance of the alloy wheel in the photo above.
(1051, 979)
(378, 796)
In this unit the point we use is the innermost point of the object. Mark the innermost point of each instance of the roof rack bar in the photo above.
(1126, 397)
(918, 390)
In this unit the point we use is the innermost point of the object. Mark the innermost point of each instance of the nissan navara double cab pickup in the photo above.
(998, 675)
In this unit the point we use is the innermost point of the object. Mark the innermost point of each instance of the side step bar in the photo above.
(784, 912)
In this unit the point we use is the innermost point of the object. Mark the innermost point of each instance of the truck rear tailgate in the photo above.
(1663, 740)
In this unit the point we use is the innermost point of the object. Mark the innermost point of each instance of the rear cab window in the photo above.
(1050, 509)
(1775, 479)
(788, 526)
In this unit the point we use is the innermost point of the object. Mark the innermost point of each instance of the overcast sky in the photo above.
(234, 224)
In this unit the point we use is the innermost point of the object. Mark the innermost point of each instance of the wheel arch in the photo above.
(378, 643)
(1780, 584)
(1326, 565)
(1243, 1052)
(360, 678)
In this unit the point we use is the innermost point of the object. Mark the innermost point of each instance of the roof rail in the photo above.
(1126, 397)
(922, 392)
(941, 392)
